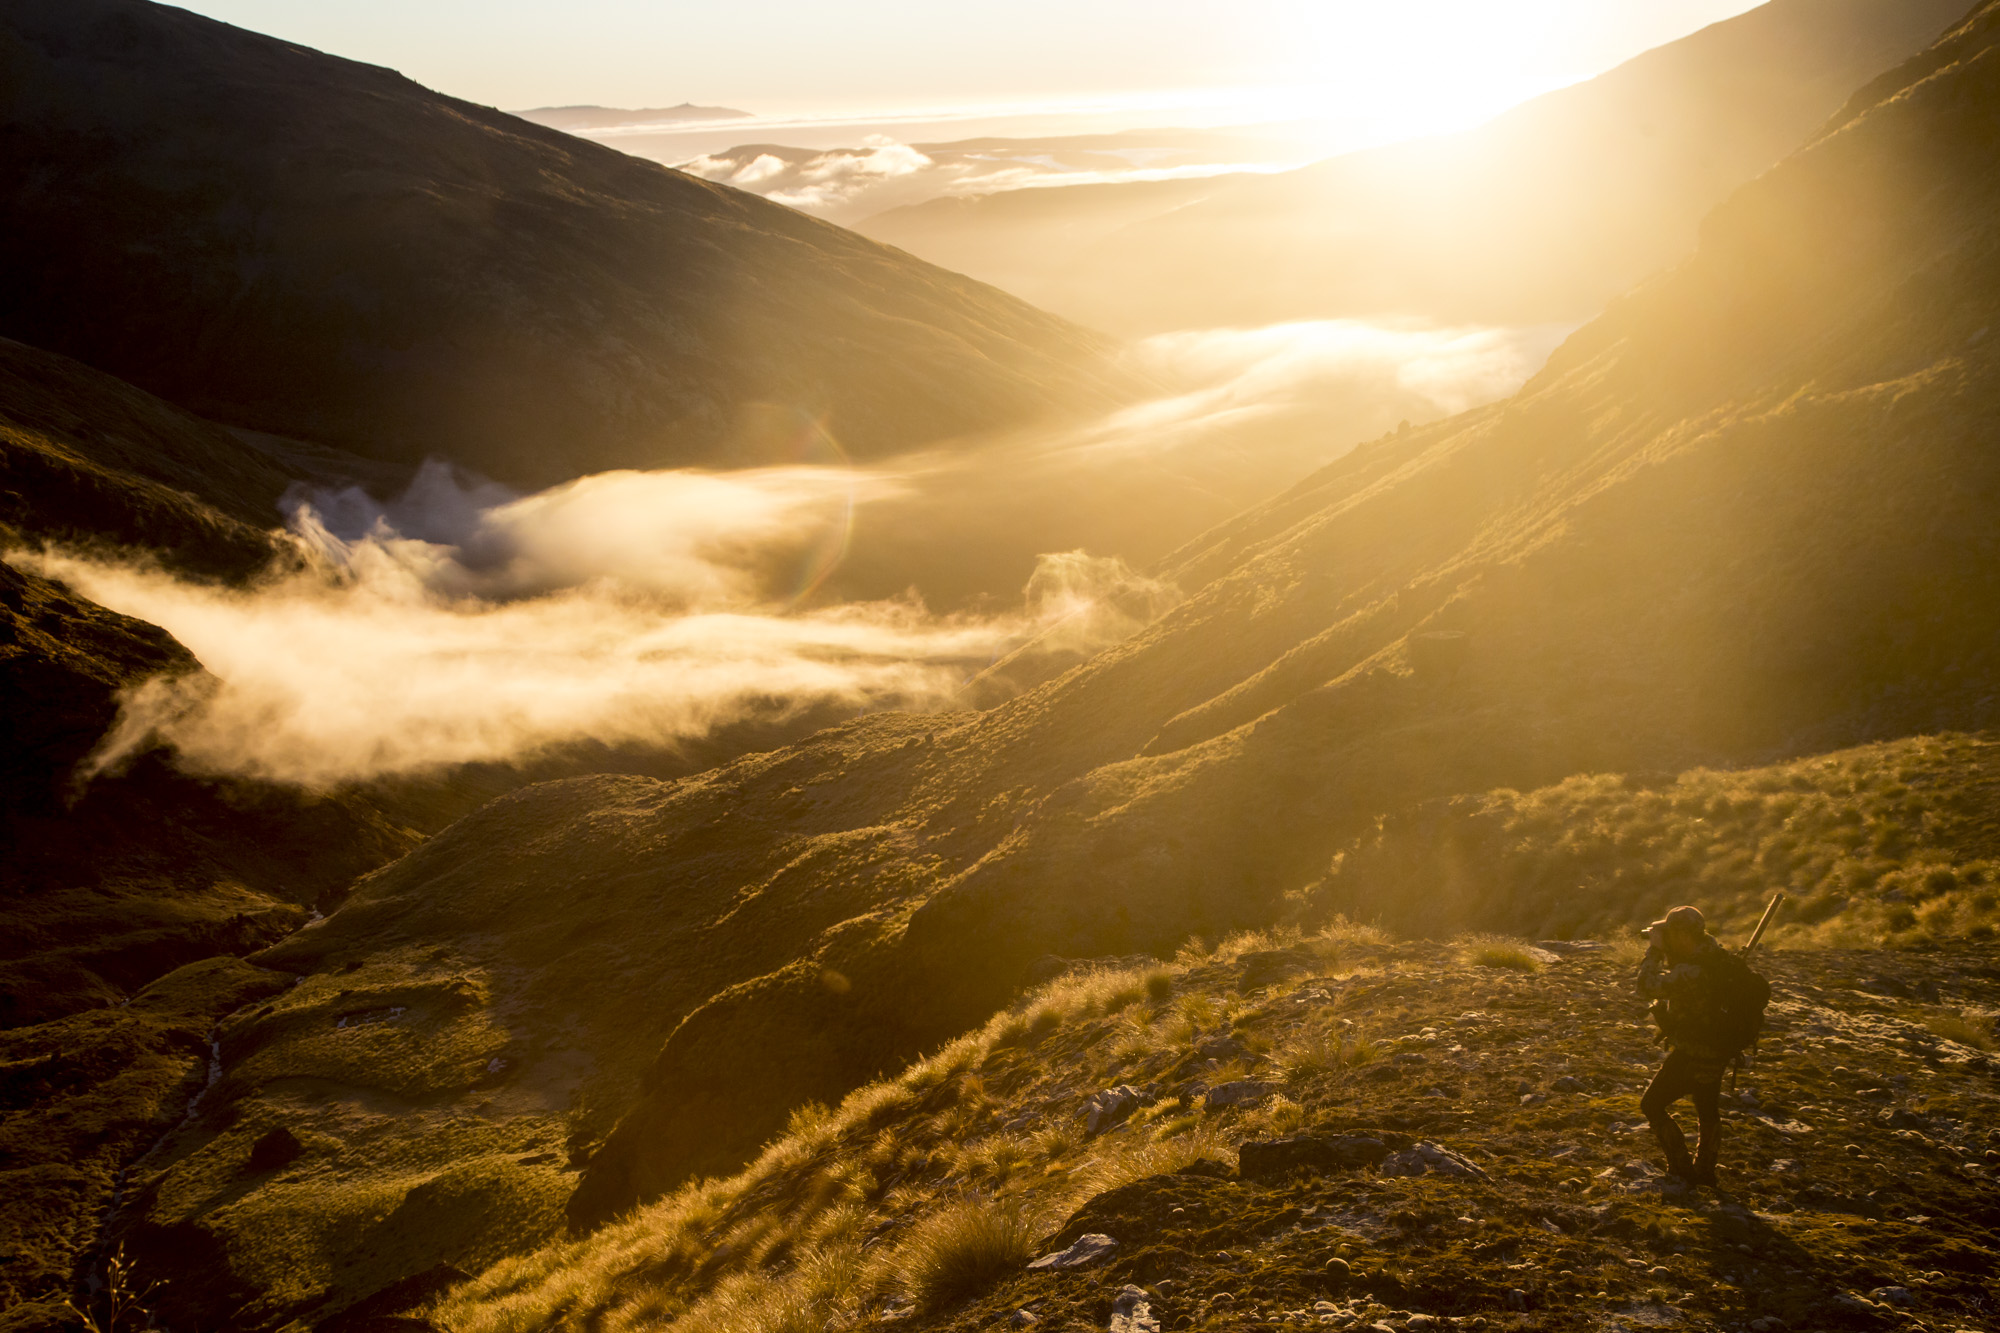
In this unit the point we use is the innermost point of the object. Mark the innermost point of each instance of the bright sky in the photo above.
(1396, 66)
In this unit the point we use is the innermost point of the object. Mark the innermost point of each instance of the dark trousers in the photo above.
(1684, 1075)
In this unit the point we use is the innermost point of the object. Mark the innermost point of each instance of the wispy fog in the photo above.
(877, 172)
(461, 623)
(648, 608)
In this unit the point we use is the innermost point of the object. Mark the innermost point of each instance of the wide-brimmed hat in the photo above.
(1682, 918)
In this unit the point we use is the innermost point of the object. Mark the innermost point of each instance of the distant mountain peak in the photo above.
(600, 117)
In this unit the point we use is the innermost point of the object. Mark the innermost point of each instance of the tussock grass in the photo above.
(908, 1184)
(1498, 951)
(1883, 844)
(1963, 1028)
(1322, 1048)
(1132, 1158)
(960, 1250)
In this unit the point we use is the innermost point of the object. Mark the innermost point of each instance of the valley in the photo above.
(586, 750)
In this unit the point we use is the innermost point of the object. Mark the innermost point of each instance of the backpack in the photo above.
(1739, 997)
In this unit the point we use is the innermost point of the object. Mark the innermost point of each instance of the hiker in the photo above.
(1709, 1006)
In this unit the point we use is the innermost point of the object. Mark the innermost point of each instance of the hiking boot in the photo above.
(1705, 1175)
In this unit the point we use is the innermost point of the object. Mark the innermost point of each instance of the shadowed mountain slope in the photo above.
(286, 241)
(1540, 215)
(87, 460)
(1744, 516)
(110, 883)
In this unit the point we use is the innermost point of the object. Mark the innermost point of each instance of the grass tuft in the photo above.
(960, 1250)
(1497, 951)
(1952, 1025)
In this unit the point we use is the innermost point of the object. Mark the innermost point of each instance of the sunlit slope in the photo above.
(1869, 1107)
(284, 240)
(1742, 515)
(1745, 515)
(1541, 215)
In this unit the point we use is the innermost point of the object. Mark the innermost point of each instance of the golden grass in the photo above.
(888, 1168)
(961, 1249)
(1321, 1048)
(1882, 844)
(1966, 1030)
(1498, 951)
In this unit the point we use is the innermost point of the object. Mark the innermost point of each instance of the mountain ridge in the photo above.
(1540, 215)
(320, 249)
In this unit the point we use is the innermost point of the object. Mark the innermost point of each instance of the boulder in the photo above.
(1260, 1159)
(1087, 1250)
(1132, 1312)
(1242, 1092)
(1428, 1159)
(1898, 1296)
(1102, 1110)
(1266, 966)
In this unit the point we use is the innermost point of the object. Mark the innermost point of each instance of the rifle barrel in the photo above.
(1776, 900)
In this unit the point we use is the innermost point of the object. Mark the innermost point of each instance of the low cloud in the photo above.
(818, 182)
(649, 608)
(882, 173)
(462, 623)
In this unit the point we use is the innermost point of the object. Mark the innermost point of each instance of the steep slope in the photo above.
(282, 240)
(1251, 1137)
(1541, 215)
(88, 461)
(1743, 516)
(109, 885)
(1739, 516)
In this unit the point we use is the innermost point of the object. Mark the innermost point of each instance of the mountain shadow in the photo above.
(281, 240)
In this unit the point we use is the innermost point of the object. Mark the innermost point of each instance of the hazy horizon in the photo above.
(1359, 73)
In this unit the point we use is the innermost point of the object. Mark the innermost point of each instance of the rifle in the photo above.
(1777, 901)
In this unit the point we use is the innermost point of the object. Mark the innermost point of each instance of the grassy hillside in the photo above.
(1860, 1155)
(286, 241)
(1740, 517)
(108, 886)
(1541, 215)
(1743, 518)
(1895, 843)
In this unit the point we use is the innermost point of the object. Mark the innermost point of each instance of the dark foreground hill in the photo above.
(1540, 215)
(1744, 517)
(282, 240)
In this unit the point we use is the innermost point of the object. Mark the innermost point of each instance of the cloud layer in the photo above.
(623, 608)
(460, 623)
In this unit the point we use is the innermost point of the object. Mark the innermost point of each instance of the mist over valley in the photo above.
(1042, 709)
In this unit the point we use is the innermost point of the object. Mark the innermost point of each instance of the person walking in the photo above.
(1709, 1007)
